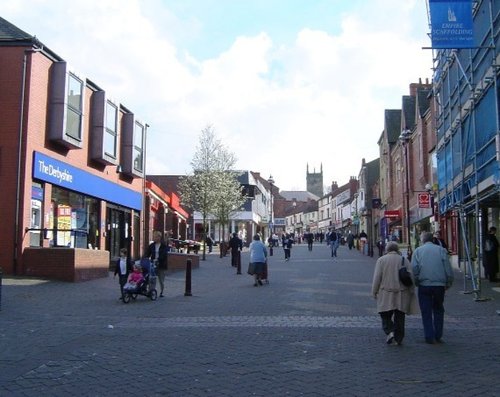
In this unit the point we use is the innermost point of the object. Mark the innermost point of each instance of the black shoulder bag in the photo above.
(404, 275)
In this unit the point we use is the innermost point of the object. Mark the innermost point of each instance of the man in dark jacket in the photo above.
(236, 246)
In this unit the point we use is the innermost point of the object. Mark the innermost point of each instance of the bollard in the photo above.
(187, 291)
(270, 250)
(239, 263)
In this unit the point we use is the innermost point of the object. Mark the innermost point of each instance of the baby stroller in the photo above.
(147, 287)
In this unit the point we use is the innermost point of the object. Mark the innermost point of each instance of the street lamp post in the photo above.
(404, 138)
(271, 224)
(356, 221)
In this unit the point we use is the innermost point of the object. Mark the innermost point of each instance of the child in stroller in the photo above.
(134, 279)
(142, 281)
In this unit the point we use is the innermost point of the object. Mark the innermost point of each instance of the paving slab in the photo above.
(312, 331)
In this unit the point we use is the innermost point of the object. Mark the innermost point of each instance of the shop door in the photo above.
(117, 228)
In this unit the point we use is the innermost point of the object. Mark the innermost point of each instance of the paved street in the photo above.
(313, 331)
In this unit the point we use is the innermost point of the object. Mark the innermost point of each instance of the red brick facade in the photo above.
(27, 123)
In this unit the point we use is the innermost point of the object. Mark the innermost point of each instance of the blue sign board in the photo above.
(36, 193)
(61, 174)
(451, 24)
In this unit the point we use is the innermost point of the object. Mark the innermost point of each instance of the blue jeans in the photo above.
(431, 301)
(334, 246)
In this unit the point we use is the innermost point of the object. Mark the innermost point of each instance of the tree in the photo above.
(211, 181)
(228, 200)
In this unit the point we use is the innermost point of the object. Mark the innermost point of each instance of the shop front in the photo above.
(77, 210)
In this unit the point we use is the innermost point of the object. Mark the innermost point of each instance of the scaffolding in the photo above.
(466, 90)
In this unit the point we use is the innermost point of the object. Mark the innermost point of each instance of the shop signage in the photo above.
(36, 193)
(451, 23)
(392, 214)
(424, 200)
(279, 221)
(343, 197)
(376, 203)
(62, 174)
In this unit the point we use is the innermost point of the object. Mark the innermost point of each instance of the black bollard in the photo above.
(187, 291)
(271, 250)
(238, 267)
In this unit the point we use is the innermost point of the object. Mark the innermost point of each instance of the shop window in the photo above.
(66, 107)
(74, 220)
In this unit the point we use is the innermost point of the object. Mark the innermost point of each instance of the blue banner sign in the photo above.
(61, 174)
(451, 24)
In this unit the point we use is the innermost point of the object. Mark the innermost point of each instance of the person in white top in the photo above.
(123, 268)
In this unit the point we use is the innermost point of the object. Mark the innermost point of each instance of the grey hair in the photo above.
(392, 246)
(426, 237)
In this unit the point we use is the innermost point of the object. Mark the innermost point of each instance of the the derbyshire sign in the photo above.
(451, 24)
(58, 173)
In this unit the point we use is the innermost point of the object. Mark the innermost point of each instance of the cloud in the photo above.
(317, 99)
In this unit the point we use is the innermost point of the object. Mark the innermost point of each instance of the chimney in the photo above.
(413, 89)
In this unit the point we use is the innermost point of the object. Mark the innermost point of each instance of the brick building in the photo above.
(71, 165)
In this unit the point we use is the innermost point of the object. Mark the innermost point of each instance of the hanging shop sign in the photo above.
(392, 214)
(451, 24)
(424, 200)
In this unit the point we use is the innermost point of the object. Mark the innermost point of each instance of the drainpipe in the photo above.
(145, 225)
(19, 157)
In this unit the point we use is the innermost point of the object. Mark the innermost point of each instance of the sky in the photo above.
(284, 83)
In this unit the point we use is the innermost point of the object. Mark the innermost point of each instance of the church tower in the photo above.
(315, 181)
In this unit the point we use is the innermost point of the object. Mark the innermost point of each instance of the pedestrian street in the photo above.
(312, 331)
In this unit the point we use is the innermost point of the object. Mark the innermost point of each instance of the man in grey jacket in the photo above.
(433, 275)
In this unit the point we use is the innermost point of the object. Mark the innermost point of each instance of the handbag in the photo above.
(404, 275)
(251, 268)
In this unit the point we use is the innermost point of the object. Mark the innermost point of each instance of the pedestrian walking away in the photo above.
(287, 246)
(157, 252)
(236, 245)
(123, 268)
(310, 241)
(394, 300)
(433, 275)
(350, 240)
(258, 259)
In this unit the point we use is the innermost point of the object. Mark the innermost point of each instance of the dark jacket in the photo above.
(129, 267)
(162, 254)
(236, 244)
